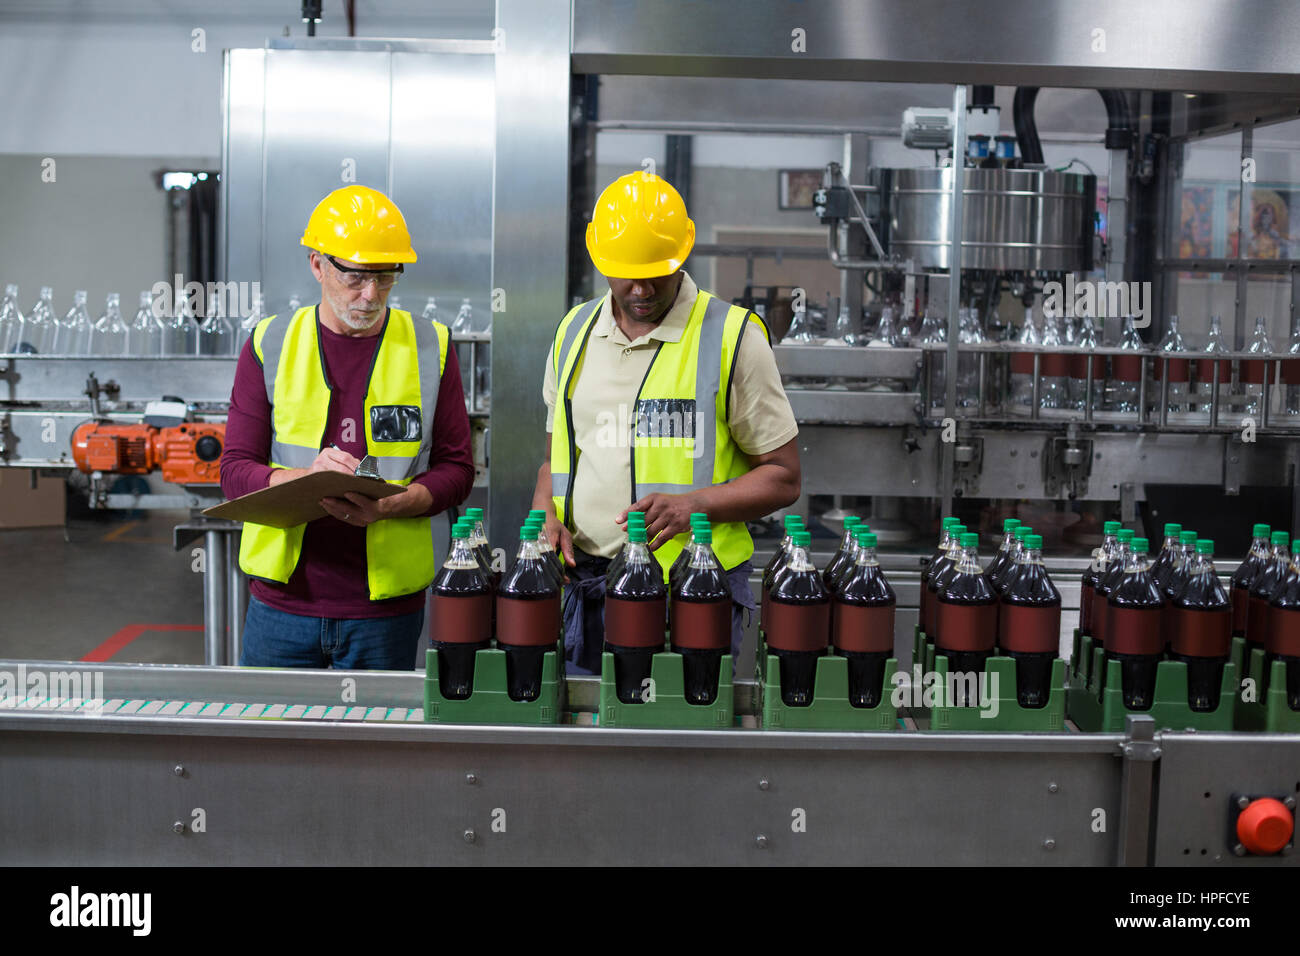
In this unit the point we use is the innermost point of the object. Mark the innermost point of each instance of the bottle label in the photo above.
(1029, 630)
(1087, 594)
(1054, 365)
(1125, 368)
(1179, 369)
(865, 630)
(1284, 632)
(1134, 630)
(798, 627)
(966, 627)
(1205, 371)
(1240, 610)
(1257, 620)
(1022, 363)
(1099, 618)
(1252, 372)
(1200, 632)
(528, 623)
(461, 620)
(700, 625)
(634, 623)
(1079, 369)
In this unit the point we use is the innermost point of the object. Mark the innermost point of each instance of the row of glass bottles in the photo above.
(481, 367)
(41, 331)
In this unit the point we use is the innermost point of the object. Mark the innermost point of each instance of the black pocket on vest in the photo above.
(395, 422)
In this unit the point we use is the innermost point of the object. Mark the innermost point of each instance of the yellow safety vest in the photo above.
(680, 441)
(401, 396)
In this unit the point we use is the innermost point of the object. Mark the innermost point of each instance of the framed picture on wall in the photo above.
(795, 188)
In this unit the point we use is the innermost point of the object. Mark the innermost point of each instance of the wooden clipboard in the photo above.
(296, 502)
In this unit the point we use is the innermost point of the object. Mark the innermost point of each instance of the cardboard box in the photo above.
(28, 500)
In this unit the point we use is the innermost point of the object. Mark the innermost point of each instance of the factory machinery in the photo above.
(221, 765)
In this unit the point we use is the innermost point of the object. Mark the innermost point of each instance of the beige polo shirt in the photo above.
(605, 395)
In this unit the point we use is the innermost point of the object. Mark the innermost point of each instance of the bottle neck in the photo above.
(461, 557)
(799, 560)
(866, 558)
(969, 561)
(702, 556)
(544, 543)
(636, 552)
(528, 550)
(1135, 561)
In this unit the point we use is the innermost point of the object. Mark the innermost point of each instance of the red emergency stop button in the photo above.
(1265, 826)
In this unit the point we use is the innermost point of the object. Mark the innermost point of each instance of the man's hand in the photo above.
(560, 538)
(354, 509)
(329, 459)
(666, 516)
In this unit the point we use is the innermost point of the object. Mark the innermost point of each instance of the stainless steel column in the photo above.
(954, 285)
(214, 598)
(529, 241)
(236, 598)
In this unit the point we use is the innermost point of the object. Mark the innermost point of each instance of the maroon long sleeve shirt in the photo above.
(330, 579)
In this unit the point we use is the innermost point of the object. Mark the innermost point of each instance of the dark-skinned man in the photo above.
(657, 349)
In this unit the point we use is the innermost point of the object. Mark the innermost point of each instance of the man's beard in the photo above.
(355, 324)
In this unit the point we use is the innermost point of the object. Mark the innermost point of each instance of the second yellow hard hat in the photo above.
(639, 228)
(359, 224)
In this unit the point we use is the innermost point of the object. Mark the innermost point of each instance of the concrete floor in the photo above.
(112, 585)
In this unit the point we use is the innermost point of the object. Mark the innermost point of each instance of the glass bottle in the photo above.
(11, 320)
(1126, 371)
(862, 622)
(1053, 391)
(1087, 339)
(1002, 557)
(934, 332)
(295, 303)
(182, 329)
(464, 320)
(1029, 624)
(1254, 370)
(1282, 642)
(1262, 587)
(844, 330)
(635, 604)
(700, 618)
(966, 612)
(430, 313)
(249, 323)
(217, 335)
(798, 622)
(527, 617)
(1101, 557)
(1255, 560)
(461, 615)
(970, 332)
(1200, 631)
(799, 333)
(886, 330)
(72, 335)
(1179, 368)
(39, 329)
(111, 333)
(1214, 345)
(1133, 635)
(1113, 574)
(937, 575)
(1022, 364)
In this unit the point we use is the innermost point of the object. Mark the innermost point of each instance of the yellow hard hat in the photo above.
(639, 228)
(359, 224)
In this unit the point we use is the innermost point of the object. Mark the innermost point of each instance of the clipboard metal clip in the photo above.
(369, 468)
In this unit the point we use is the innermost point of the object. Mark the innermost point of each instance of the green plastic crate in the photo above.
(669, 708)
(1269, 711)
(830, 708)
(1002, 711)
(489, 702)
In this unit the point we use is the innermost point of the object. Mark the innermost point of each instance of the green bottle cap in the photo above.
(636, 517)
(527, 533)
(537, 513)
(1140, 545)
(1124, 534)
(970, 540)
(704, 535)
(1172, 530)
(1259, 531)
(958, 529)
(862, 527)
(866, 539)
(1033, 541)
(793, 522)
(1295, 546)
(1205, 546)
(1281, 539)
(951, 521)
(1023, 532)
(852, 521)
(1110, 527)
(699, 514)
(459, 532)
(636, 534)
(802, 539)
(1187, 537)
(474, 513)
(1010, 524)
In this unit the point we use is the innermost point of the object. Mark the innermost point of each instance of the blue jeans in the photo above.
(278, 639)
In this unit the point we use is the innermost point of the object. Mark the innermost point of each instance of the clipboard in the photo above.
(297, 501)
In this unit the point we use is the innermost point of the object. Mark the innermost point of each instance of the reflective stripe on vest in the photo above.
(399, 551)
(679, 442)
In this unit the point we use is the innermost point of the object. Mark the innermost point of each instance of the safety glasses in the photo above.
(355, 278)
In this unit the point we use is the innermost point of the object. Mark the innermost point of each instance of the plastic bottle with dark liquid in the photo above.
(1029, 624)
(1256, 557)
(946, 542)
(528, 617)
(1003, 559)
(697, 519)
(461, 616)
(1176, 578)
(844, 555)
(700, 618)
(635, 519)
(862, 623)
(966, 612)
(798, 621)
(999, 581)
(940, 569)
(1262, 587)
(1170, 551)
(538, 517)
(1105, 584)
(635, 605)
(1282, 642)
(1199, 616)
(554, 570)
(1088, 587)
(1133, 610)
(778, 560)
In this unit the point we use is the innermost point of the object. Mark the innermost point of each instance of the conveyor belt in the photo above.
(120, 707)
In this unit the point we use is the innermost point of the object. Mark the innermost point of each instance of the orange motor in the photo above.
(188, 454)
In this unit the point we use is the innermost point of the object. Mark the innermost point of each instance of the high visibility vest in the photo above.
(401, 397)
(680, 440)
